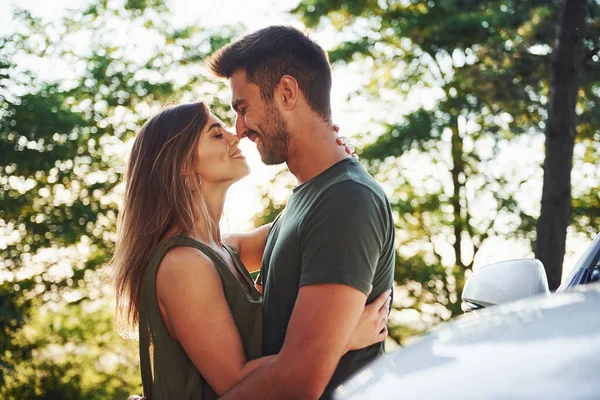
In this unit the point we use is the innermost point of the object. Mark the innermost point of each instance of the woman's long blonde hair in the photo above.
(157, 200)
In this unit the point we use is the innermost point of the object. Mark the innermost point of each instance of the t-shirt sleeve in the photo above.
(343, 237)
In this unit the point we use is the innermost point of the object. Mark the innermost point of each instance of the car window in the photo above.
(595, 275)
(582, 271)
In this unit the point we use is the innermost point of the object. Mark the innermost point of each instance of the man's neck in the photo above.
(313, 150)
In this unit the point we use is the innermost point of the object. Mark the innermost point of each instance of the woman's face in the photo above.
(219, 158)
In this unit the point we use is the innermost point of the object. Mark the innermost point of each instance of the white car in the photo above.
(542, 347)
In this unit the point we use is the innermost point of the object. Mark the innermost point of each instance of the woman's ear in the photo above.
(192, 181)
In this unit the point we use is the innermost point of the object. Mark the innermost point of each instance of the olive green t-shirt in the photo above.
(336, 228)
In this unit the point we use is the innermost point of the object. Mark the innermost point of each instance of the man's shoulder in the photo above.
(347, 187)
(354, 183)
(348, 200)
(354, 190)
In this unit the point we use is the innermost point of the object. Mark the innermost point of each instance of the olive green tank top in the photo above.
(167, 371)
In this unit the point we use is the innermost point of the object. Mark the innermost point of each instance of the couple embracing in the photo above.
(326, 263)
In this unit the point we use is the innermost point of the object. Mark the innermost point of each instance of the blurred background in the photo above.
(447, 102)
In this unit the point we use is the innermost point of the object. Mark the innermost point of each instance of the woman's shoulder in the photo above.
(184, 259)
(182, 271)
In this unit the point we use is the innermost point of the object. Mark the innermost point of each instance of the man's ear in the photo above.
(287, 92)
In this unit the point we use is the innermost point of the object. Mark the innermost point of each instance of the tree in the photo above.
(555, 215)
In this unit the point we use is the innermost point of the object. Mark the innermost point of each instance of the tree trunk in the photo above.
(555, 213)
(458, 169)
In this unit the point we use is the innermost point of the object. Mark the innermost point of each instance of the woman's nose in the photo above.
(233, 139)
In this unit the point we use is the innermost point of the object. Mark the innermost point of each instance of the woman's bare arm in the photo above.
(251, 246)
(195, 312)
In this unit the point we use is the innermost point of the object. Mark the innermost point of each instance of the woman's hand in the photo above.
(343, 141)
(372, 325)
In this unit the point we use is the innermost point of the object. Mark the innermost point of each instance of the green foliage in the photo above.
(586, 211)
(272, 204)
(76, 354)
(13, 315)
(399, 139)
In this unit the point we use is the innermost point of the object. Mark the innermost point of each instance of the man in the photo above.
(335, 240)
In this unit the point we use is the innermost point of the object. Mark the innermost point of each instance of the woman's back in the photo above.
(167, 371)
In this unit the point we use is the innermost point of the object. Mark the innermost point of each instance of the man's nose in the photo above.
(240, 128)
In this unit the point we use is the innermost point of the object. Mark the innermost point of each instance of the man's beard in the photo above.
(274, 138)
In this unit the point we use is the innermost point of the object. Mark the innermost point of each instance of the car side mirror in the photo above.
(503, 282)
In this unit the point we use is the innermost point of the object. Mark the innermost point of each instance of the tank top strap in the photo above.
(178, 241)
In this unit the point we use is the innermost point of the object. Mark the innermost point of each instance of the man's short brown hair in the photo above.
(270, 53)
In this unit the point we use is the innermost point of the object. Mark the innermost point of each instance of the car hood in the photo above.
(546, 347)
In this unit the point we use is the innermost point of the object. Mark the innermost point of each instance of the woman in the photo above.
(190, 294)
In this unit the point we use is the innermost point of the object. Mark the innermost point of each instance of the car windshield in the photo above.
(588, 259)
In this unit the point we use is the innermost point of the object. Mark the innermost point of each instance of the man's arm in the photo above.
(321, 325)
